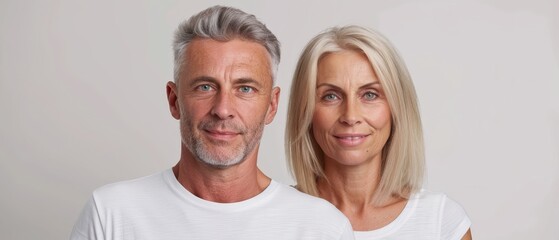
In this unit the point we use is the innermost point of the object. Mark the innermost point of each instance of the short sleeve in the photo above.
(88, 226)
(454, 220)
(347, 234)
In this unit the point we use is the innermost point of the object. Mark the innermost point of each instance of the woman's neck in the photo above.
(354, 185)
(352, 190)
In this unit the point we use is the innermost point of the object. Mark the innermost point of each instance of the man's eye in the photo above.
(205, 87)
(246, 89)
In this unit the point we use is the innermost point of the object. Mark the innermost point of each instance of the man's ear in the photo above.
(273, 108)
(173, 100)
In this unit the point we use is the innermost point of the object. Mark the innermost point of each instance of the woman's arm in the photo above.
(468, 235)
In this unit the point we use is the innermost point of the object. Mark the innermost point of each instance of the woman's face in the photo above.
(352, 119)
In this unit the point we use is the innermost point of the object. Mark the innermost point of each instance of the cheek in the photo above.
(319, 121)
(380, 118)
(316, 127)
(322, 122)
(319, 134)
(195, 110)
(254, 111)
(192, 109)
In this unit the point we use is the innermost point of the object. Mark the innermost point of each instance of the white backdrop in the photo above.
(82, 101)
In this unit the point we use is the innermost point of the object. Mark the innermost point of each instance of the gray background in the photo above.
(82, 101)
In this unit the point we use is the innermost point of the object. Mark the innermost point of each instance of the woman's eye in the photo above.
(246, 89)
(205, 87)
(370, 95)
(330, 97)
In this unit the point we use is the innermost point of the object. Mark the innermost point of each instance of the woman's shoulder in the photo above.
(438, 200)
(451, 216)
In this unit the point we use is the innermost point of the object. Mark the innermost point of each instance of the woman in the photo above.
(354, 138)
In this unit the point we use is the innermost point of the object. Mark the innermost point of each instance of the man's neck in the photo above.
(232, 184)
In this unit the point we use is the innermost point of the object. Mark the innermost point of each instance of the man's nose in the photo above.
(223, 105)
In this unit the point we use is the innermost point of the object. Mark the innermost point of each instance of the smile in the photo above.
(221, 134)
(351, 139)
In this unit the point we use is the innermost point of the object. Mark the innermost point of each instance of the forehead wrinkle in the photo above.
(255, 64)
(242, 73)
(347, 74)
(265, 72)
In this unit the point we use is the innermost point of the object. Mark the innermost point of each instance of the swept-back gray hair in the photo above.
(223, 24)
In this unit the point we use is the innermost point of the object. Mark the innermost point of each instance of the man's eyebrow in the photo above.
(198, 80)
(248, 81)
(207, 79)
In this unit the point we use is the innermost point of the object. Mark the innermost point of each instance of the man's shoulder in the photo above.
(292, 192)
(131, 188)
(312, 212)
(306, 203)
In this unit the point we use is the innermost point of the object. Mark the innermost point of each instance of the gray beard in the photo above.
(212, 159)
(216, 159)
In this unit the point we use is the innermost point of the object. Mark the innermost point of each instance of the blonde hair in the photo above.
(403, 155)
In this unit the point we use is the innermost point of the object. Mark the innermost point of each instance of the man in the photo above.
(223, 95)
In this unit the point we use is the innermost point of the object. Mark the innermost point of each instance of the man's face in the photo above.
(223, 100)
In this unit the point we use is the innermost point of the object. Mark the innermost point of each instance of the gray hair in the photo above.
(223, 24)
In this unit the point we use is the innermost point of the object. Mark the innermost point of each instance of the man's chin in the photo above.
(221, 164)
(219, 157)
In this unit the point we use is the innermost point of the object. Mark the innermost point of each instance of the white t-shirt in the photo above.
(426, 216)
(159, 207)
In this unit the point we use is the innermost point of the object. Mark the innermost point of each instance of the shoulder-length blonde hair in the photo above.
(403, 155)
